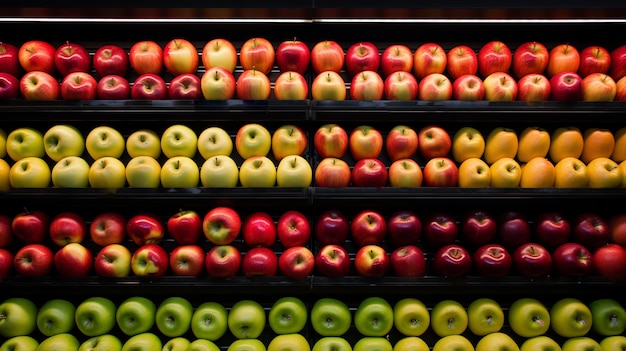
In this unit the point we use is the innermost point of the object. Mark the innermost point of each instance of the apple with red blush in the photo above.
(572, 259)
(33, 260)
(400, 85)
(30, 227)
(492, 261)
(462, 60)
(401, 142)
(110, 59)
(9, 59)
(185, 227)
(79, 86)
(533, 87)
(333, 260)
(187, 260)
(149, 86)
(439, 229)
(433, 141)
(39, 86)
(72, 57)
(440, 172)
(73, 260)
(369, 172)
(6, 234)
(223, 261)
(609, 262)
(494, 56)
(67, 227)
(145, 228)
(477, 227)
(617, 70)
(396, 58)
(259, 229)
(566, 86)
(468, 87)
(259, 262)
(293, 55)
(367, 85)
(532, 260)
(296, 263)
(331, 140)
(293, 229)
(552, 229)
(594, 59)
(332, 172)
(6, 263)
(362, 56)
(590, 229)
(113, 87)
(408, 261)
(108, 228)
(404, 227)
(113, 261)
(514, 229)
(368, 227)
(221, 225)
(452, 261)
(186, 86)
(37, 55)
(371, 261)
(9, 86)
(529, 57)
(150, 260)
(331, 227)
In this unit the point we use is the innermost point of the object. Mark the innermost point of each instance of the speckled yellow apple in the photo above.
(597, 142)
(474, 173)
(505, 173)
(604, 173)
(143, 172)
(570, 172)
(533, 142)
(501, 142)
(538, 173)
(565, 142)
(219, 171)
(467, 142)
(257, 172)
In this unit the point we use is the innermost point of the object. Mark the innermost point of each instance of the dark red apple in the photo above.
(440, 229)
(552, 229)
(332, 227)
(408, 261)
(609, 262)
(452, 261)
(532, 260)
(477, 227)
(259, 262)
(591, 230)
(572, 260)
(333, 261)
(492, 260)
(404, 227)
(513, 230)
(368, 227)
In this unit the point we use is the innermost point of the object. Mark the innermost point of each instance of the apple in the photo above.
(103, 141)
(135, 315)
(401, 142)
(405, 173)
(293, 55)
(453, 261)
(331, 140)
(597, 142)
(514, 229)
(293, 229)
(467, 142)
(362, 56)
(253, 84)
(477, 227)
(257, 54)
(259, 262)
(566, 86)
(563, 58)
(291, 85)
(148, 86)
(492, 261)
(246, 319)
(33, 260)
(590, 229)
(494, 56)
(219, 52)
(214, 141)
(30, 227)
(327, 55)
(185, 227)
(95, 315)
(218, 83)
(538, 172)
(187, 260)
(180, 57)
(288, 139)
(616, 225)
(500, 86)
(253, 139)
(612, 343)
(501, 142)
(209, 321)
(594, 59)
(108, 228)
(328, 85)
(618, 154)
(173, 316)
(9, 59)
(257, 172)
(146, 57)
(496, 341)
(599, 87)
(64, 341)
(18, 317)
(468, 87)
(461, 60)
(259, 229)
(287, 315)
(529, 317)
(219, 171)
(572, 260)
(70, 172)
(56, 316)
(441, 172)
(541, 342)
(404, 227)
(30, 172)
(113, 260)
(6, 233)
(439, 229)
(222, 261)
(20, 343)
(9, 86)
(530, 57)
(37, 55)
(411, 317)
(331, 227)
(448, 317)
(328, 343)
(177, 343)
(371, 261)
(552, 229)
(408, 261)
(435, 87)
(533, 87)
(608, 315)
(429, 58)
(369, 172)
(67, 227)
(289, 342)
(532, 142)
(396, 58)
(179, 140)
(400, 85)
(332, 260)
(145, 228)
(609, 262)
(73, 260)
(368, 227)
(143, 342)
(485, 316)
(63, 140)
(143, 172)
(365, 141)
(149, 260)
(332, 172)
(247, 344)
(110, 59)
(6, 263)
(296, 263)
(570, 317)
(566, 142)
(453, 342)
(330, 317)
(433, 141)
(603, 172)
(185, 86)
(39, 86)
(180, 172)
(366, 85)
(221, 225)
(532, 260)
(373, 316)
(71, 57)
(113, 87)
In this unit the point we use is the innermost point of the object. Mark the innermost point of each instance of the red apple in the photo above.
(223, 261)
(404, 227)
(330, 140)
(291, 85)
(368, 227)
(150, 260)
(185, 227)
(108, 228)
(257, 54)
(217, 83)
(441, 172)
(617, 227)
(146, 56)
(453, 261)
(617, 69)
(369, 172)
(439, 229)
(396, 58)
(533, 87)
(599, 87)
(562, 58)
(530, 57)
(514, 229)
(333, 261)
(259, 229)
(9, 87)
(408, 261)
(572, 260)
(500, 86)
(72, 57)
(429, 58)
(566, 87)
(365, 142)
(332, 172)
(400, 85)
(113, 87)
(594, 59)
(296, 263)
(6, 233)
(590, 229)
(609, 262)
(433, 141)
(149, 86)
(477, 228)
(435, 87)
(371, 261)
(67, 227)
(110, 59)
(468, 87)
(253, 84)
(221, 225)
(461, 60)
(293, 55)
(494, 56)
(39, 85)
(9, 59)
(331, 227)
(293, 229)
(6, 264)
(180, 56)
(185, 86)
(30, 227)
(37, 55)
(401, 142)
(492, 261)
(33, 260)
(145, 228)
(113, 261)
(327, 55)
(187, 260)
(259, 262)
(362, 56)
(552, 229)
(366, 85)
(532, 260)
(79, 86)
(73, 260)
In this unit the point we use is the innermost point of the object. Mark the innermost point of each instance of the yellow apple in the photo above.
(505, 173)
(411, 343)
(3, 143)
(143, 172)
(257, 172)
(467, 142)
(30, 172)
(604, 173)
(496, 341)
(619, 152)
(622, 171)
(541, 342)
(219, 171)
(5, 183)
(214, 141)
(533, 142)
(501, 142)
(538, 173)
(70, 172)
(474, 173)
(570, 172)
(598, 142)
(453, 342)
(565, 142)
(143, 142)
(294, 171)
(180, 172)
(107, 172)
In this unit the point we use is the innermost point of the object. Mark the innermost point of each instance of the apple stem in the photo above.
(538, 320)
(613, 319)
(451, 323)
(490, 320)
(3, 316)
(287, 316)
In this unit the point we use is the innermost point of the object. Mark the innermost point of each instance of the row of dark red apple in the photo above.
(398, 244)
(494, 73)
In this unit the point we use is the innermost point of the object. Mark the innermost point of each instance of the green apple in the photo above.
(448, 317)
(219, 171)
(30, 172)
(247, 345)
(570, 317)
(20, 343)
(3, 143)
(179, 140)
(411, 317)
(104, 141)
(108, 173)
(294, 171)
(70, 172)
(485, 316)
(143, 142)
(253, 139)
(173, 316)
(411, 343)
(609, 343)
(608, 315)
(246, 319)
(25, 142)
(56, 316)
(209, 321)
(288, 315)
(332, 343)
(135, 315)
(540, 343)
(177, 344)
(214, 141)
(180, 172)
(143, 172)
(63, 140)
(528, 317)
(372, 343)
(373, 317)
(257, 172)
(203, 345)
(496, 341)
(143, 342)
(95, 316)
(105, 342)
(59, 342)
(581, 343)
(330, 317)
(453, 343)
(18, 316)
(289, 342)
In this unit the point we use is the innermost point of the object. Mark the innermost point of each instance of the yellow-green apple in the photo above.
(289, 342)
(71, 57)
(613, 342)
(586, 343)
(366, 85)
(408, 261)
(566, 142)
(5, 184)
(396, 58)
(78, 86)
(187, 260)
(70, 172)
(453, 342)
(179, 140)
(143, 142)
(3, 143)
(218, 83)
(528, 317)
(594, 59)
(20, 343)
(597, 142)
(468, 87)
(461, 60)
(143, 172)
(599, 87)
(253, 139)
(619, 150)
(411, 317)
(371, 261)
(223, 261)
(494, 56)
(467, 142)
(362, 56)
(185, 86)
(214, 141)
(293, 229)
(609, 315)
(30, 172)
(107, 172)
(369, 172)
(327, 55)
(365, 141)
(570, 172)
(497, 341)
(332, 172)
(259, 261)
(296, 263)
(435, 87)
(146, 56)
(149, 260)
(257, 54)
(209, 323)
(65, 341)
(603, 172)
(287, 140)
(411, 343)
(108, 228)
(541, 342)
(95, 315)
(143, 341)
(37, 55)
(9, 59)
(38, 85)
(474, 173)
(24, 142)
(294, 171)
(293, 55)
(570, 317)
(368, 227)
(253, 84)
(180, 172)
(401, 142)
(180, 56)
(291, 85)
(433, 141)
(33, 260)
(566, 86)
(485, 316)
(330, 317)
(257, 172)
(533, 87)
(506, 172)
(113, 87)
(246, 319)
(9, 86)
(609, 261)
(328, 85)
(105, 141)
(530, 57)
(148, 86)
(173, 317)
(73, 260)
(429, 58)
(400, 85)
(259, 229)
(247, 345)
(448, 317)
(500, 86)
(63, 140)
(331, 140)
(441, 172)
(135, 315)
(373, 317)
(67, 227)
(110, 59)
(501, 142)
(332, 261)
(538, 172)
(219, 171)
(405, 173)
(562, 58)
(219, 52)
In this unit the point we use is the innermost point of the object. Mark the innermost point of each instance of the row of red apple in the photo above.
(375, 318)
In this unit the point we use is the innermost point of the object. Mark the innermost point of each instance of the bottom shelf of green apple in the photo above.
(294, 323)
